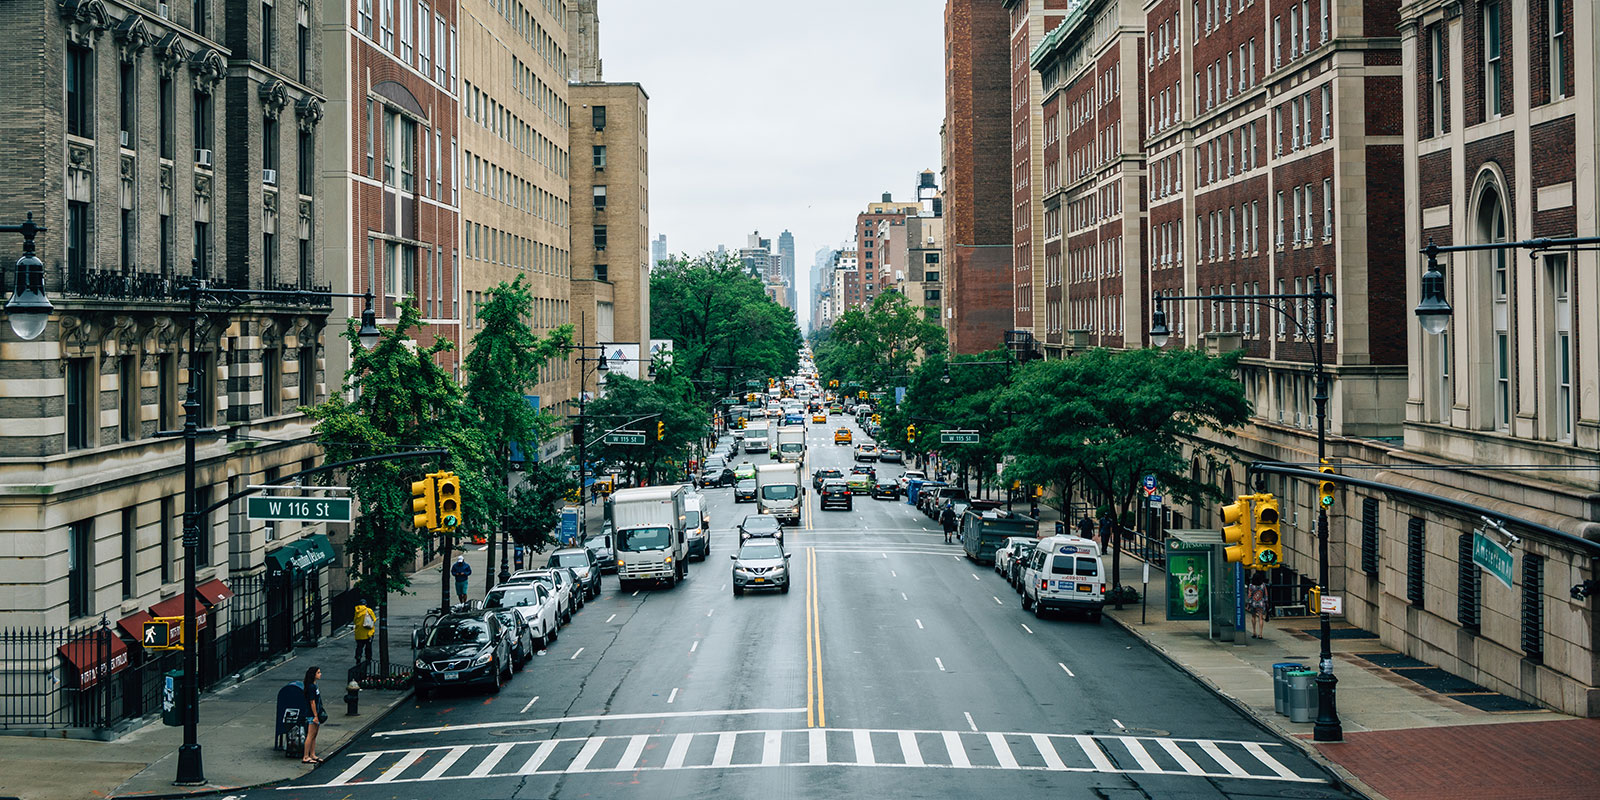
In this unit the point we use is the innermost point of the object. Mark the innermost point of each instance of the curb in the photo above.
(371, 721)
(1343, 778)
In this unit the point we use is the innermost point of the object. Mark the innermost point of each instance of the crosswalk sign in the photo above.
(159, 634)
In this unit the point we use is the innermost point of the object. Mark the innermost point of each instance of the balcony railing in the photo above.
(133, 285)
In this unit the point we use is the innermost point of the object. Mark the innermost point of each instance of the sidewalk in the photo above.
(1402, 741)
(236, 723)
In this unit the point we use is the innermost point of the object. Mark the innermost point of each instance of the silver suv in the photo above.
(761, 563)
(583, 563)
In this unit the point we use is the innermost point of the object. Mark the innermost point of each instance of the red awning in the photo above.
(94, 655)
(173, 607)
(133, 625)
(213, 592)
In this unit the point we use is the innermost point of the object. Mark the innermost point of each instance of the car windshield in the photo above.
(752, 552)
(640, 539)
(691, 519)
(572, 559)
(512, 596)
(833, 484)
(747, 485)
(780, 492)
(754, 524)
(459, 631)
(597, 542)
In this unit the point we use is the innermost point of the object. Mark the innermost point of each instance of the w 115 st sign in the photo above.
(298, 509)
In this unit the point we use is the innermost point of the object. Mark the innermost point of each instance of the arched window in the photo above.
(1495, 270)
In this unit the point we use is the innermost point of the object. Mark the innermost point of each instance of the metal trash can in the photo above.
(1302, 695)
(1280, 685)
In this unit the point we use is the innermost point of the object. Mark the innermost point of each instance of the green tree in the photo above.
(671, 399)
(502, 367)
(875, 346)
(724, 328)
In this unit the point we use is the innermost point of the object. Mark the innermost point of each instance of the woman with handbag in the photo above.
(315, 716)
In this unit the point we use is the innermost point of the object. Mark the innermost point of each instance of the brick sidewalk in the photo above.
(1557, 760)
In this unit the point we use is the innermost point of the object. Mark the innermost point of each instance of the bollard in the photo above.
(352, 699)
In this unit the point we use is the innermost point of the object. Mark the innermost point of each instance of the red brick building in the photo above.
(872, 248)
(977, 175)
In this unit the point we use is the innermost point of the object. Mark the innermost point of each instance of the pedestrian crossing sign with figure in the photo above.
(163, 633)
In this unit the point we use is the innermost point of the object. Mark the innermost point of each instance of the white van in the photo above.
(696, 526)
(1064, 573)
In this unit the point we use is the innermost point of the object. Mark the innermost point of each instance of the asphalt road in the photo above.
(893, 668)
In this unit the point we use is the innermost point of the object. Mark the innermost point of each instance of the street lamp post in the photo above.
(1328, 728)
(600, 365)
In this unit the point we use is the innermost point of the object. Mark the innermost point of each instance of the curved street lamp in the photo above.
(1433, 312)
(28, 307)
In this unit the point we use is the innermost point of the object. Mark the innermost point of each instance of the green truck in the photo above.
(985, 531)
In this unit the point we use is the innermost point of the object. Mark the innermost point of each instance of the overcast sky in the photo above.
(773, 115)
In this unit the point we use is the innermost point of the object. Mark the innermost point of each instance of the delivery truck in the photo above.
(648, 528)
(779, 492)
(791, 444)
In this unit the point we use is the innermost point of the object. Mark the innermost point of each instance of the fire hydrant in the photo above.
(352, 699)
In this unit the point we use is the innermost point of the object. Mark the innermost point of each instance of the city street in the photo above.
(894, 667)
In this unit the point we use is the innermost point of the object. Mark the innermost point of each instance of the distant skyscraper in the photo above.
(786, 249)
(658, 249)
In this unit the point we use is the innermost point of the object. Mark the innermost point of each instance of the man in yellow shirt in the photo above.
(366, 626)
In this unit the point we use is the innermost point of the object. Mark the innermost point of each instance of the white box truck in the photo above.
(648, 525)
(791, 444)
(755, 437)
(779, 491)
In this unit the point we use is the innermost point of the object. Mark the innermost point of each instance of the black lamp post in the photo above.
(28, 309)
(1328, 728)
(600, 365)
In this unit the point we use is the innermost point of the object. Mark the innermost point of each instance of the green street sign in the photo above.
(1492, 557)
(958, 437)
(298, 509)
(625, 438)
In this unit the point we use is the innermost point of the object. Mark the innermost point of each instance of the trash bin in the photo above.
(1280, 685)
(171, 705)
(1302, 695)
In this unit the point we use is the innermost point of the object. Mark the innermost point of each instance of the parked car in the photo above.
(583, 563)
(745, 491)
(558, 582)
(885, 489)
(535, 602)
(757, 526)
(522, 646)
(889, 455)
(1006, 556)
(835, 494)
(760, 564)
(463, 648)
(866, 452)
(908, 476)
(820, 475)
(842, 436)
(605, 549)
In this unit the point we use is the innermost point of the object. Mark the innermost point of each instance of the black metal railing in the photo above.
(1152, 549)
(118, 285)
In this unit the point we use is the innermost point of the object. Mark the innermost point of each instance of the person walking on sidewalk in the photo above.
(315, 715)
(366, 625)
(1086, 526)
(1257, 604)
(462, 570)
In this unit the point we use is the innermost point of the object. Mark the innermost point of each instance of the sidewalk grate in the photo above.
(1495, 702)
(1438, 680)
(1394, 660)
(1341, 633)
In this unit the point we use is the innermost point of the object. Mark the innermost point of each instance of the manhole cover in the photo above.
(516, 731)
(1140, 732)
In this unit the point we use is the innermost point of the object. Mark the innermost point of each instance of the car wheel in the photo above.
(785, 588)
(1026, 604)
(499, 680)
(738, 590)
(1038, 610)
(1095, 617)
(550, 637)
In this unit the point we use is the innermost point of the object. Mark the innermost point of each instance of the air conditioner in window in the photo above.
(161, 8)
(269, 177)
(202, 157)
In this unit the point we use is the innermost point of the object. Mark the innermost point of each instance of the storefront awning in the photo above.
(94, 655)
(213, 592)
(173, 607)
(305, 555)
(133, 625)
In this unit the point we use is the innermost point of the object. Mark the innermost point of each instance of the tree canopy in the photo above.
(724, 328)
(877, 347)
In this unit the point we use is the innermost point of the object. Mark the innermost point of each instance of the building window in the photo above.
(80, 91)
(1492, 228)
(164, 99)
(128, 397)
(305, 153)
(307, 271)
(202, 551)
(602, 272)
(269, 148)
(202, 249)
(599, 237)
(1492, 63)
(202, 122)
(1436, 61)
(130, 552)
(127, 102)
(308, 375)
(1327, 112)
(389, 142)
(599, 156)
(164, 547)
(80, 568)
(81, 408)
(271, 383)
(1533, 607)
(1556, 268)
(424, 45)
(405, 32)
(598, 117)
(167, 391)
(201, 16)
(1469, 585)
(386, 23)
(269, 39)
(1558, 48)
(599, 198)
(205, 389)
(1327, 209)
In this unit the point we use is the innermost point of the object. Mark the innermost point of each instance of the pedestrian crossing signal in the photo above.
(163, 633)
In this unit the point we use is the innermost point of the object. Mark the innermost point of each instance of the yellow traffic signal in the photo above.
(833, 384)
(911, 434)
(1325, 489)
(424, 504)
(1269, 540)
(862, 394)
(661, 430)
(1237, 533)
(449, 498)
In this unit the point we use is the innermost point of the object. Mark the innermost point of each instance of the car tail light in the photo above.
(1043, 584)
(1102, 588)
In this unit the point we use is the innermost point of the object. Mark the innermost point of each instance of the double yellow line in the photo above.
(816, 705)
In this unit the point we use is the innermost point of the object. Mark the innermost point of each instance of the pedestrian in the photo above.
(462, 570)
(316, 714)
(1086, 526)
(366, 625)
(1257, 604)
(1105, 528)
(947, 518)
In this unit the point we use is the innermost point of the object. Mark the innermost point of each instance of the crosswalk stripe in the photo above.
(817, 746)
(581, 763)
(449, 760)
(1097, 757)
(1002, 751)
(1139, 753)
(1052, 759)
(1222, 759)
(772, 749)
(1181, 757)
(536, 760)
(491, 761)
(958, 753)
(908, 747)
(863, 743)
(680, 748)
(400, 766)
(1272, 763)
(724, 754)
(630, 757)
(355, 769)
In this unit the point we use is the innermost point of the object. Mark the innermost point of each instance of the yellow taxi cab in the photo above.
(841, 436)
(819, 418)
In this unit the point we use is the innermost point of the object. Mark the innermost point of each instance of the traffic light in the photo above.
(661, 430)
(862, 394)
(1269, 541)
(833, 384)
(911, 434)
(1237, 533)
(449, 498)
(424, 504)
(1325, 489)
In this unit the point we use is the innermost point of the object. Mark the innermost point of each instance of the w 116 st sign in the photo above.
(298, 509)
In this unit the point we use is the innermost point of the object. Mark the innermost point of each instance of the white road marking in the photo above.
(976, 578)
(1097, 757)
(919, 625)
(970, 723)
(997, 601)
(735, 712)
(491, 761)
(581, 763)
(674, 696)
(817, 747)
(902, 595)
(449, 760)
(361, 763)
(680, 748)
(863, 742)
(400, 766)
(724, 754)
(1052, 759)
(885, 555)
(575, 655)
(1139, 753)
(1272, 763)
(630, 757)
(1025, 627)
(958, 753)
(529, 705)
(709, 611)
(772, 749)
(1222, 759)
(939, 662)
(1002, 751)
(893, 574)
(635, 593)
(1069, 673)
(1181, 757)
(695, 646)
(612, 617)
(908, 748)
(1116, 722)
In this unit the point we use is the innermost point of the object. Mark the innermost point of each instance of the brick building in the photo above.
(875, 274)
(976, 175)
